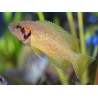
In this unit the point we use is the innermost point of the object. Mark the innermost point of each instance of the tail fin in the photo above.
(81, 64)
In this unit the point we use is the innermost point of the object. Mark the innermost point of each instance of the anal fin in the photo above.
(62, 64)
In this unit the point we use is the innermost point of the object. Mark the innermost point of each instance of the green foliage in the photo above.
(10, 46)
(71, 23)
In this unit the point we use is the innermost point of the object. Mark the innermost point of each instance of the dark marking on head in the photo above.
(23, 30)
(25, 34)
(29, 34)
(25, 37)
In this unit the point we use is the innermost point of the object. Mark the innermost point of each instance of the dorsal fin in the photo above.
(71, 40)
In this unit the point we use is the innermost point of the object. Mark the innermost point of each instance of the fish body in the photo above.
(60, 46)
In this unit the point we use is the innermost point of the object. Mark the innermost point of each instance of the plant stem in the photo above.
(96, 78)
(95, 51)
(63, 79)
(71, 23)
(41, 15)
(81, 33)
(17, 16)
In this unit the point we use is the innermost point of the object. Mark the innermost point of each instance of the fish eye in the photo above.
(18, 27)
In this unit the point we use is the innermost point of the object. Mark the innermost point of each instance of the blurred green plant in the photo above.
(41, 16)
(10, 46)
(71, 23)
(90, 31)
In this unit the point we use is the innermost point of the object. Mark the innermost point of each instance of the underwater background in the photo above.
(20, 66)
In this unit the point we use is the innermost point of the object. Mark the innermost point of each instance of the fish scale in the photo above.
(73, 41)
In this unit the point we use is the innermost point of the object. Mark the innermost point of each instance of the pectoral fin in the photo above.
(38, 53)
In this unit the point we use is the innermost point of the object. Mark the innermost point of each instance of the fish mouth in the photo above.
(15, 32)
(11, 29)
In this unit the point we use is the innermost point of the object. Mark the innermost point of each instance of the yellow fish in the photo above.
(49, 38)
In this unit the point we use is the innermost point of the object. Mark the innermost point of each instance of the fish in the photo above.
(61, 47)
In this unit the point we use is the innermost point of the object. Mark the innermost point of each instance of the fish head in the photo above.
(21, 30)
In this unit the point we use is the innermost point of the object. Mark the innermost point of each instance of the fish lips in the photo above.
(10, 28)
